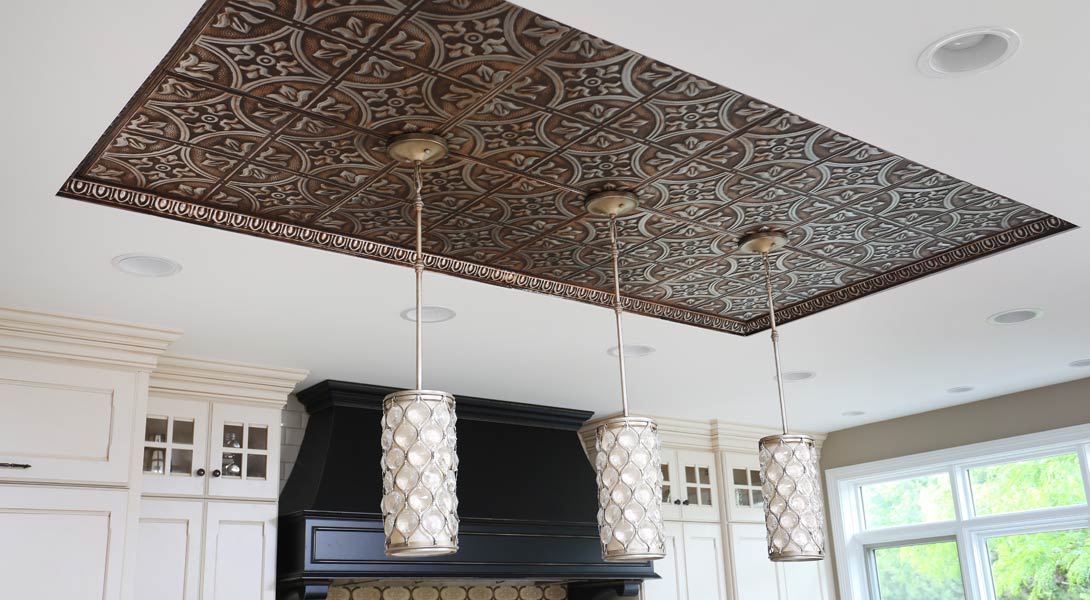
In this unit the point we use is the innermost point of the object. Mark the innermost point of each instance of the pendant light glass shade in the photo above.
(419, 439)
(627, 448)
(420, 473)
(791, 483)
(629, 489)
(790, 477)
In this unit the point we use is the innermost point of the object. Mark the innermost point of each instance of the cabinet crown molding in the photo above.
(222, 379)
(71, 337)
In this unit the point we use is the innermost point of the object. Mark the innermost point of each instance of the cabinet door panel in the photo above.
(671, 485)
(755, 577)
(671, 569)
(61, 542)
(245, 450)
(70, 423)
(175, 446)
(699, 486)
(704, 561)
(240, 551)
(745, 500)
(170, 549)
(804, 581)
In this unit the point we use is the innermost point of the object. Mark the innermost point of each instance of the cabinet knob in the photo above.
(677, 502)
(200, 472)
(216, 473)
(685, 503)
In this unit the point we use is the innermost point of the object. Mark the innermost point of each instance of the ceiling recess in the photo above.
(272, 119)
(969, 51)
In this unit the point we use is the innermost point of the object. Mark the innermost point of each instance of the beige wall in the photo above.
(1041, 409)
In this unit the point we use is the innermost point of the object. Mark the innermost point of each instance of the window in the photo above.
(1004, 520)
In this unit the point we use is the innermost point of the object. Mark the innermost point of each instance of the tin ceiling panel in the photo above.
(269, 117)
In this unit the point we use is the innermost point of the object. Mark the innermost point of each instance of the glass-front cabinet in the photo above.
(689, 488)
(194, 447)
(745, 500)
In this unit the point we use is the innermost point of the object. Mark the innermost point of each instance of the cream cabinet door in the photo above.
(240, 551)
(745, 500)
(704, 576)
(170, 549)
(755, 577)
(174, 453)
(699, 486)
(671, 485)
(671, 569)
(244, 457)
(61, 542)
(64, 422)
(805, 581)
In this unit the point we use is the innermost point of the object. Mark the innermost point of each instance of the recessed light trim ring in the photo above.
(969, 51)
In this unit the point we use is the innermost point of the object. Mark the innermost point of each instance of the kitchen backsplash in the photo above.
(401, 590)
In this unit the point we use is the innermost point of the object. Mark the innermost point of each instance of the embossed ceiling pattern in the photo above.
(269, 117)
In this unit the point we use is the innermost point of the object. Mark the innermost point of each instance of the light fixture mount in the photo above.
(761, 242)
(412, 148)
(612, 203)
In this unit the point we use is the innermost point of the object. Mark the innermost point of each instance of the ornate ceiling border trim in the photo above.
(102, 193)
(84, 189)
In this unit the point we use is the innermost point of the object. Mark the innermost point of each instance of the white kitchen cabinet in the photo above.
(693, 567)
(174, 453)
(171, 539)
(690, 485)
(671, 569)
(240, 551)
(244, 456)
(757, 578)
(742, 478)
(65, 422)
(59, 542)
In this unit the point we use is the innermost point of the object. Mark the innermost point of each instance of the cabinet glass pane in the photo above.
(665, 482)
(183, 432)
(1054, 565)
(181, 462)
(255, 466)
(665, 492)
(755, 478)
(692, 495)
(259, 438)
(690, 474)
(232, 464)
(1028, 484)
(705, 476)
(155, 429)
(155, 460)
(923, 499)
(705, 497)
(739, 476)
(758, 499)
(232, 436)
(930, 571)
(741, 497)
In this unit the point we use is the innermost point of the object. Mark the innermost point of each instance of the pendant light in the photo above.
(791, 481)
(627, 448)
(419, 442)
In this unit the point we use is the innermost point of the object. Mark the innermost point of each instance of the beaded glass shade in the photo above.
(794, 513)
(419, 473)
(629, 490)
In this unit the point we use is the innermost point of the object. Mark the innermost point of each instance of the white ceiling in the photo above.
(850, 64)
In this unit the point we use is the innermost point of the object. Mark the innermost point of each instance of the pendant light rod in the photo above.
(618, 308)
(775, 340)
(418, 266)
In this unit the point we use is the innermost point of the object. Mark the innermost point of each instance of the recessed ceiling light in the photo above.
(793, 376)
(853, 413)
(429, 314)
(960, 389)
(632, 350)
(969, 51)
(1017, 315)
(145, 265)
(1078, 364)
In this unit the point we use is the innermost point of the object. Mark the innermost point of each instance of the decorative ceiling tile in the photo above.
(271, 117)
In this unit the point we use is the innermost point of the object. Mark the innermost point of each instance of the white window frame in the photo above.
(853, 541)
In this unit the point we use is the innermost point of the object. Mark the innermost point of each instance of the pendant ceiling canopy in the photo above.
(271, 117)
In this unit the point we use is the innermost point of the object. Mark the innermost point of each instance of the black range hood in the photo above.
(526, 493)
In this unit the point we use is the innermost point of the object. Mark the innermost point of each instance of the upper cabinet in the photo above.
(690, 485)
(174, 457)
(745, 500)
(243, 462)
